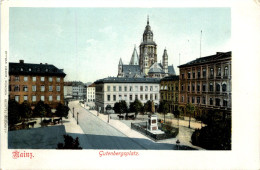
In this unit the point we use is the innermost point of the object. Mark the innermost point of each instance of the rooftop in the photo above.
(127, 80)
(170, 78)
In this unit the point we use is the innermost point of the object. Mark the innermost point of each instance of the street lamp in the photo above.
(178, 142)
(77, 117)
(73, 112)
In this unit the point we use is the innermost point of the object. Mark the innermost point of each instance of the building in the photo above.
(91, 90)
(68, 90)
(207, 83)
(169, 91)
(145, 64)
(35, 82)
(78, 88)
(113, 89)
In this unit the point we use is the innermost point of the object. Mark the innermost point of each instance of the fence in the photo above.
(169, 132)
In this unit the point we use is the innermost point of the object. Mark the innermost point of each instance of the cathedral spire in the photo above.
(135, 58)
(147, 19)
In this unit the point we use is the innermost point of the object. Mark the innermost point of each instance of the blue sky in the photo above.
(88, 42)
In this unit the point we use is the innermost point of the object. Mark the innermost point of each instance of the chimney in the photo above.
(21, 61)
(40, 63)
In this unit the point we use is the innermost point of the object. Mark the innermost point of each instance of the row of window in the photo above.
(204, 87)
(203, 101)
(34, 88)
(132, 88)
(34, 98)
(170, 97)
(204, 73)
(169, 88)
(25, 79)
(132, 97)
(37, 69)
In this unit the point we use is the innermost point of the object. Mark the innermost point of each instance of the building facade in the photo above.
(169, 91)
(77, 89)
(35, 82)
(91, 90)
(113, 89)
(145, 64)
(207, 83)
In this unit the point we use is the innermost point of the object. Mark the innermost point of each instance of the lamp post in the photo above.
(77, 118)
(73, 112)
(177, 143)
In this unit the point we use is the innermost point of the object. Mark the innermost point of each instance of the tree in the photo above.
(148, 106)
(40, 109)
(62, 110)
(14, 115)
(48, 110)
(69, 143)
(190, 109)
(164, 107)
(120, 107)
(136, 107)
(26, 110)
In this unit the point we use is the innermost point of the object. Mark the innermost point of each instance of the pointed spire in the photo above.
(120, 62)
(147, 19)
(134, 59)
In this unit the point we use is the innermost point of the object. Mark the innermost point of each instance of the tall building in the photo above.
(113, 89)
(35, 82)
(169, 91)
(207, 83)
(146, 65)
(91, 90)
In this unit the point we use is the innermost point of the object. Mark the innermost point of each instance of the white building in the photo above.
(113, 89)
(91, 90)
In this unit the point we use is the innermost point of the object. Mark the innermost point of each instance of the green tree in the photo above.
(48, 110)
(40, 109)
(62, 110)
(136, 107)
(69, 143)
(164, 108)
(190, 108)
(148, 106)
(120, 107)
(26, 110)
(14, 115)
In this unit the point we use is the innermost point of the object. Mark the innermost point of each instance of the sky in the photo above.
(88, 42)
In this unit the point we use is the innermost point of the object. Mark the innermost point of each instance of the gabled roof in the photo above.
(171, 70)
(212, 58)
(131, 71)
(156, 68)
(22, 68)
(134, 59)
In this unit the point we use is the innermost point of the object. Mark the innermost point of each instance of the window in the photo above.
(130, 97)
(211, 87)
(211, 101)
(25, 88)
(203, 100)
(21, 69)
(58, 98)
(42, 78)
(10, 88)
(30, 69)
(141, 88)
(114, 97)
(188, 99)
(125, 88)
(25, 78)
(182, 75)
(217, 102)
(141, 97)
(182, 98)
(108, 88)
(193, 75)
(188, 75)
(198, 100)
(34, 98)
(136, 96)
(46, 70)
(33, 88)
(198, 74)
(193, 87)
(204, 87)
(25, 98)
(58, 88)
(58, 79)
(146, 97)
(34, 79)
(155, 97)
(120, 97)
(211, 72)
(151, 88)
(204, 72)
(226, 71)
(42, 98)
(224, 87)
(125, 97)
(193, 99)
(225, 102)
(131, 88)
(50, 79)
(146, 88)
(217, 87)
(151, 96)
(165, 87)
(16, 88)
(176, 87)
(50, 98)
(182, 87)
(17, 98)
(198, 87)
(108, 97)
(120, 88)
(188, 87)
(16, 78)
(136, 88)
(42, 88)
(50, 88)
(114, 88)
(219, 71)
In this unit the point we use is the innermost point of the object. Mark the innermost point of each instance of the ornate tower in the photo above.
(120, 68)
(165, 61)
(148, 48)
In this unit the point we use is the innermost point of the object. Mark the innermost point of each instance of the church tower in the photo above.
(120, 68)
(165, 61)
(148, 50)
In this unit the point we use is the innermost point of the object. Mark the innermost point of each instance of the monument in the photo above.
(152, 121)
